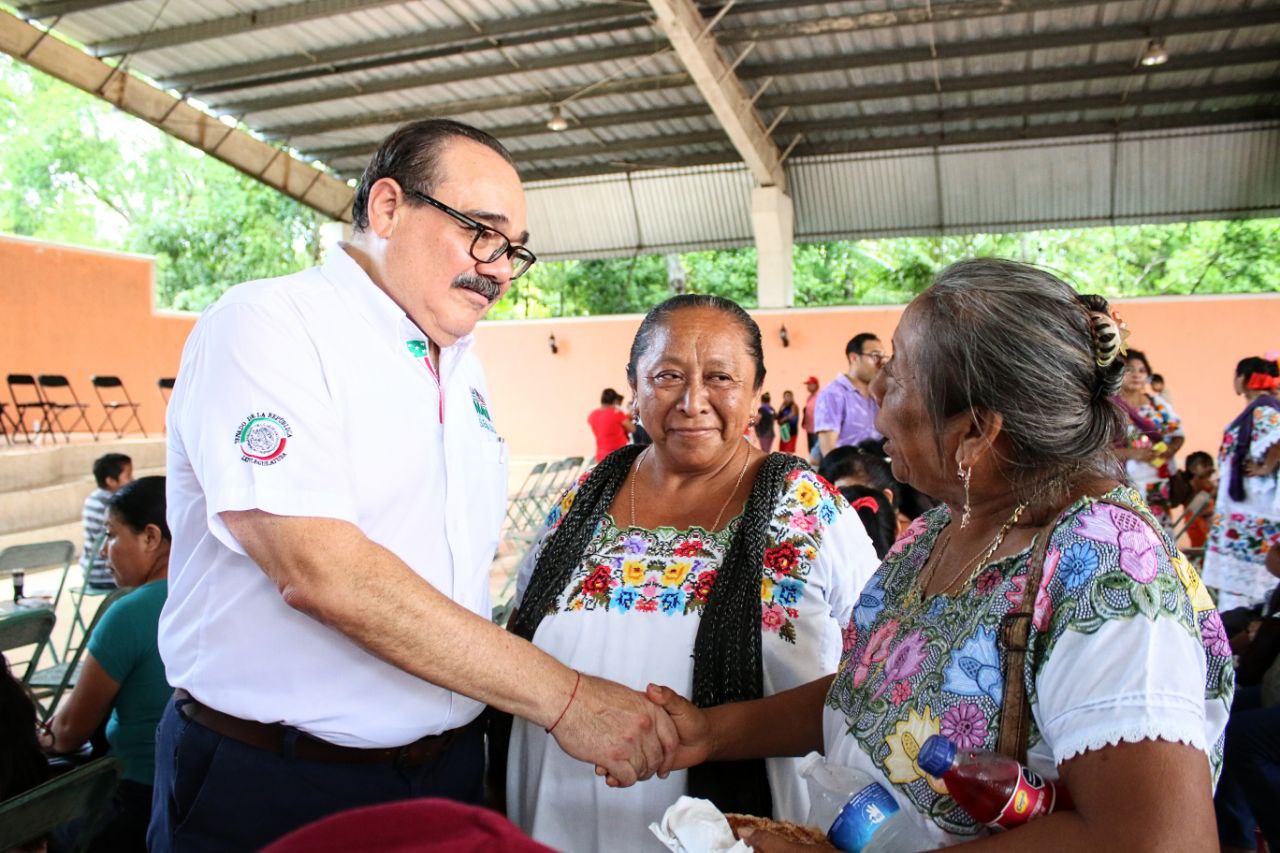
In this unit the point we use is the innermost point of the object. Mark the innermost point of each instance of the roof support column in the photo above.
(772, 220)
(734, 109)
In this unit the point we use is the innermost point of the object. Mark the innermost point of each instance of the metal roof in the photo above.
(896, 117)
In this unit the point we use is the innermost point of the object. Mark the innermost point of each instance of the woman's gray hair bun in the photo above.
(1107, 337)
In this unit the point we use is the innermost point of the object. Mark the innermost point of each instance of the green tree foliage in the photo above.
(74, 170)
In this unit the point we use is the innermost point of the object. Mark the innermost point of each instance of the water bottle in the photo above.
(994, 789)
(861, 815)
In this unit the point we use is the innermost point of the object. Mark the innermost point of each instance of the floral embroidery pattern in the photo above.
(673, 573)
(906, 674)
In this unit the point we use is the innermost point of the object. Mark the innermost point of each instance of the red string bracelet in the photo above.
(567, 704)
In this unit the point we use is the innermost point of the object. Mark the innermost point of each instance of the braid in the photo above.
(563, 550)
(728, 662)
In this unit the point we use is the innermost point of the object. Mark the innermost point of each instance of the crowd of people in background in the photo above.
(992, 499)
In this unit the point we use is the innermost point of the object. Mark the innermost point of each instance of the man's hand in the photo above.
(692, 727)
(619, 730)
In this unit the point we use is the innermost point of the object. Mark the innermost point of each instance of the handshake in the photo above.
(631, 736)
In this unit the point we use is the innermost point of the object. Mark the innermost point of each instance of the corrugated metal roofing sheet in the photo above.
(864, 102)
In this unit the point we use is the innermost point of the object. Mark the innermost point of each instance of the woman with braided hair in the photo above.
(1246, 521)
(1040, 610)
(698, 561)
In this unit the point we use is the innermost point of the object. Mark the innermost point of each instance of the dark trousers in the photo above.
(213, 793)
(1249, 789)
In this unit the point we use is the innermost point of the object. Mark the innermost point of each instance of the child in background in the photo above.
(111, 472)
(1196, 487)
(877, 514)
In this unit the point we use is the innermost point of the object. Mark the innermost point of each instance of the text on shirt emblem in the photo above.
(261, 438)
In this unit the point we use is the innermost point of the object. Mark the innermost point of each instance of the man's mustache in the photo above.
(483, 285)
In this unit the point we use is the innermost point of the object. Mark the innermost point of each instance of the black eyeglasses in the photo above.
(489, 244)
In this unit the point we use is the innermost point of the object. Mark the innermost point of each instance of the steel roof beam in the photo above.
(454, 108)
(266, 163)
(415, 81)
(58, 8)
(1190, 94)
(929, 140)
(1062, 74)
(850, 61)
(327, 63)
(537, 128)
(381, 53)
(1017, 44)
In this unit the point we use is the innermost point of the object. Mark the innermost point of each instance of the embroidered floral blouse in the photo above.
(630, 613)
(1116, 598)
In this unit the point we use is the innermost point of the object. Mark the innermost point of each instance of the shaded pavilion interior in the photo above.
(714, 125)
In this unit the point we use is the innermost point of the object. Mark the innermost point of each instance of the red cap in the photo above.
(410, 826)
(812, 380)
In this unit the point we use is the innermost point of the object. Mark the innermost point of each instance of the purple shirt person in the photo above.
(845, 413)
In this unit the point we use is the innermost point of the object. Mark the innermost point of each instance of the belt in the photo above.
(272, 737)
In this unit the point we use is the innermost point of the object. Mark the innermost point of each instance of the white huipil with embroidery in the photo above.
(630, 613)
(307, 395)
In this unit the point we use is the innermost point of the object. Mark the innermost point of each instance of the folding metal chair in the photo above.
(518, 516)
(50, 684)
(110, 407)
(26, 626)
(40, 555)
(56, 384)
(33, 814)
(79, 594)
(8, 425)
(35, 401)
(165, 384)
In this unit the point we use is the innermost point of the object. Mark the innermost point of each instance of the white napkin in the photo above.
(692, 825)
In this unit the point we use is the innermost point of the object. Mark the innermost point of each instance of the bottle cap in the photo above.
(936, 756)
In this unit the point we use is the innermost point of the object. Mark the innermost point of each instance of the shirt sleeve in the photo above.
(828, 412)
(257, 421)
(115, 642)
(1123, 653)
(1266, 431)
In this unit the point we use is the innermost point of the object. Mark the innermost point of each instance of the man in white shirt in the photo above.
(336, 489)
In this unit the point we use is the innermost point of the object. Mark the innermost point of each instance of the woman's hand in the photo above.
(1138, 454)
(764, 840)
(1257, 469)
(692, 726)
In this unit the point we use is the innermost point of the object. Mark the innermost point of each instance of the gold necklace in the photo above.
(915, 597)
(635, 475)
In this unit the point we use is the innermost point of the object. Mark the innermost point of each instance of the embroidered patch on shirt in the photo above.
(482, 411)
(261, 438)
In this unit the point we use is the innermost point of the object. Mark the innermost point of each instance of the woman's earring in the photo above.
(965, 474)
(639, 422)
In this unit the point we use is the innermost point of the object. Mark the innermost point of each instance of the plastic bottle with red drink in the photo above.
(994, 789)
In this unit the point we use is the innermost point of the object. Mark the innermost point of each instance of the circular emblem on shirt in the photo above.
(262, 437)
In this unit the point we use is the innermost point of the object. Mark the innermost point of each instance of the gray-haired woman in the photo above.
(996, 402)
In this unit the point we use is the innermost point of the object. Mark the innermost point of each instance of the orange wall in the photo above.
(80, 312)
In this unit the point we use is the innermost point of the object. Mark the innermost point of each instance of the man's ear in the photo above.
(979, 438)
(386, 201)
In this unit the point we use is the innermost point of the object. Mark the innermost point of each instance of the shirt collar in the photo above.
(380, 310)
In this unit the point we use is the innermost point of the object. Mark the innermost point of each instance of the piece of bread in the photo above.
(793, 832)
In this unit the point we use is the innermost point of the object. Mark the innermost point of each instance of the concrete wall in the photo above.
(79, 312)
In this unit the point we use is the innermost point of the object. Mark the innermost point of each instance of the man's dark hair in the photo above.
(609, 396)
(1156, 377)
(411, 157)
(857, 342)
(109, 466)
